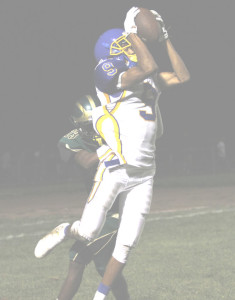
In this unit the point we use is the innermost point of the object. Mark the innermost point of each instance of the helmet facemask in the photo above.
(86, 131)
(121, 45)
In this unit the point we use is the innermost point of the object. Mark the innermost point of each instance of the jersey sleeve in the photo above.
(107, 73)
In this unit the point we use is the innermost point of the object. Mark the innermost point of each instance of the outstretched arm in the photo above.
(146, 64)
(180, 72)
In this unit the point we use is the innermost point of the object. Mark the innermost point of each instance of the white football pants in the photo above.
(134, 187)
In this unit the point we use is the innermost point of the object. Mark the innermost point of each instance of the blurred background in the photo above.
(46, 63)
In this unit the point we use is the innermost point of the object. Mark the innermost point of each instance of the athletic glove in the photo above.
(164, 33)
(129, 23)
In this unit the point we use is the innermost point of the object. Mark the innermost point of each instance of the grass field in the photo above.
(186, 251)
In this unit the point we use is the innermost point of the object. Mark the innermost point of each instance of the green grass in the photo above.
(179, 257)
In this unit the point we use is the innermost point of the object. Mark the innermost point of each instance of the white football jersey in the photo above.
(130, 121)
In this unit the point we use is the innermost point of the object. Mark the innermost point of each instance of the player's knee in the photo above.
(84, 256)
(121, 252)
(80, 254)
(75, 233)
(74, 272)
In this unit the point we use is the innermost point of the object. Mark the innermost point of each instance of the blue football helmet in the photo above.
(111, 43)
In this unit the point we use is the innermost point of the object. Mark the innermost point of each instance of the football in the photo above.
(148, 27)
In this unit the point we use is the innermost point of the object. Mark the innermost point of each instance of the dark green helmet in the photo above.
(81, 115)
(83, 108)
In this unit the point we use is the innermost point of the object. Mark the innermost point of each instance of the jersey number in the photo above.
(109, 69)
(149, 113)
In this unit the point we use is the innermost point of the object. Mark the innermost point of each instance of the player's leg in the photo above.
(119, 287)
(134, 206)
(72, 281)
(137, 204)
(99, 202)
(79, 258)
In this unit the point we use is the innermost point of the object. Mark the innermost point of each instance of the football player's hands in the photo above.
(129, 23)
(164, 35)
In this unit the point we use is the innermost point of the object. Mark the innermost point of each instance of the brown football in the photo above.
(148, 27)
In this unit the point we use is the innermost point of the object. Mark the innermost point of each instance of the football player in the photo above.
(128, 83)
(80, 145)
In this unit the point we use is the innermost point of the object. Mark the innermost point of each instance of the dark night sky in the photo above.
(47, 62)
